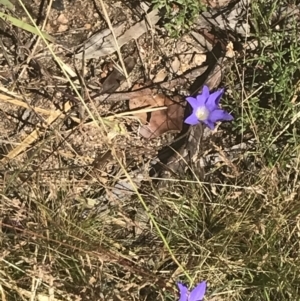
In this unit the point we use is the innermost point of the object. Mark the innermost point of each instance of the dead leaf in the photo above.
(234, 19)
(141, 101)
(216, 76)
(103, 43)
(205, 44)
(161, 121)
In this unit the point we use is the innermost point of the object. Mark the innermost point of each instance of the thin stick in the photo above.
(116, 43)
(30, 56)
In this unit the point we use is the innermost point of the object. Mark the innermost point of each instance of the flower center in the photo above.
(202, 113)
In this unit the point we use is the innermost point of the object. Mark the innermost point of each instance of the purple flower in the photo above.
(206, 108)
(197, 294)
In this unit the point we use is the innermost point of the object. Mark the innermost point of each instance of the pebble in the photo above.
(199, 59)
(62, 28)
(62, 19)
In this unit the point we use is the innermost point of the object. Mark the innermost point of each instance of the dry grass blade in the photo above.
(33, 136)
(27, 295)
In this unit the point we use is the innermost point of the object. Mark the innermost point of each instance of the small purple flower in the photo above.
(206, 108)
(197, 294)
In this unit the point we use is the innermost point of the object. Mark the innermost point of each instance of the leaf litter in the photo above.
(161, 121)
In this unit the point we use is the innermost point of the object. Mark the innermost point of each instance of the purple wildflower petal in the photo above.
(220, 115)
(210, 124)
(192, 119)
(197, 294)
(183, 291)
(193, 102)
(205, 91)
(212, 102)
(201, 100)
(221, 91)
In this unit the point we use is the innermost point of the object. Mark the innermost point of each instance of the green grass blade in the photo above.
(25, 26)
(7, 4)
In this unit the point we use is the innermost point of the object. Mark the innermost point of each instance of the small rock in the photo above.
(103, 74)
(230, 50)
(62, 19)
(62, 28)
(175, 65)
(49, 28)
(160, 76)
(199, 59)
